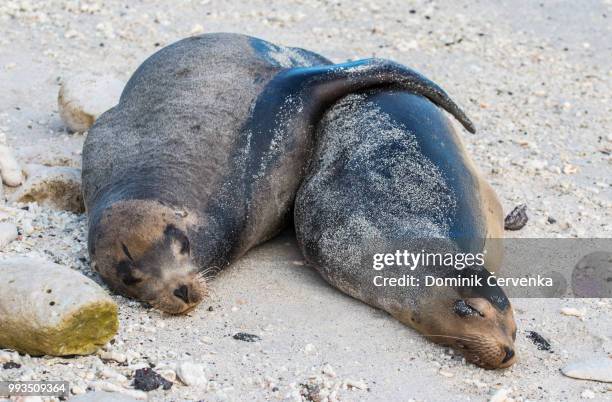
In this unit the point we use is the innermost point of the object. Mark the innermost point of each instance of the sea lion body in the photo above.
(165, 178)
(203, 155)
(390, 173)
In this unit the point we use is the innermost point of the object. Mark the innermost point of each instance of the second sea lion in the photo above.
(390, 173)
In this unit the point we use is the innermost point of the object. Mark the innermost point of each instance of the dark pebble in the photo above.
(11, 365)
(538, 340)
(551, 220)
(243, 336)
(145, 379)
(516, 219)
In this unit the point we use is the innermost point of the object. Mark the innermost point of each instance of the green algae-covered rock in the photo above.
(47, 309)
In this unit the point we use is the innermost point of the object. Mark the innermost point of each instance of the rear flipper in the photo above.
(330, 83)
(293, 102)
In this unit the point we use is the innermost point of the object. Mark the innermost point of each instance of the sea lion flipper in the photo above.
(329, 83)
(292, 103)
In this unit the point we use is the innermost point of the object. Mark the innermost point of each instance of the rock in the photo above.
(570, 169)
(77, 390)
(111, 374)
(596, 369)
(168, 374)
(114, 356)
(26, 227)
(146, 379)
(102, 396)
(10, 366)
(538, 340)
(516, 219)
(132, 355)
(83, 98)
(58, 311)
(191, 373)
(8, 233)
(6, 357)
(10, 170)
(572, 312)
(309, 348)
(243, 336)
(328, 370)
(501, 395)
(57, 187)
(587, 394)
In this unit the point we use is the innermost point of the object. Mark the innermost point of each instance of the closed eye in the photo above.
(126, 251)
(124, 271)
(463, 309)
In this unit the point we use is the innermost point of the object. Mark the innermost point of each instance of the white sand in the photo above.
(543, 115)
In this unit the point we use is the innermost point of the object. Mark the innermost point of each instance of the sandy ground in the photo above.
(535, 77)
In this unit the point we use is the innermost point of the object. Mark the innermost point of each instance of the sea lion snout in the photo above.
(179, 294)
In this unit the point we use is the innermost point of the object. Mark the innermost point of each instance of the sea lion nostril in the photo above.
(182, 292)
(509, 354)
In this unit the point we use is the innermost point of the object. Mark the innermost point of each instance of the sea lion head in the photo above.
(142, 250)
(478, 322)
(483, 333)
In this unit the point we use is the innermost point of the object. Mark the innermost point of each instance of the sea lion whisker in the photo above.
(463, 338)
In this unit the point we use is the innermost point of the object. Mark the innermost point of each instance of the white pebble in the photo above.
(8, 233)
(111, 374)
(587, 394)
(329, 371)
(501, 395)
(309, 348)
(26, 226)
(191, 373)
(10, 170)
(197, 29)
(571, 311)
(6, 357)
(115, 356)
(168, 374)
(132, 355)
(77, 390)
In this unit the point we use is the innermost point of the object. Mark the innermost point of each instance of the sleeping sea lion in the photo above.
(389, 175)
